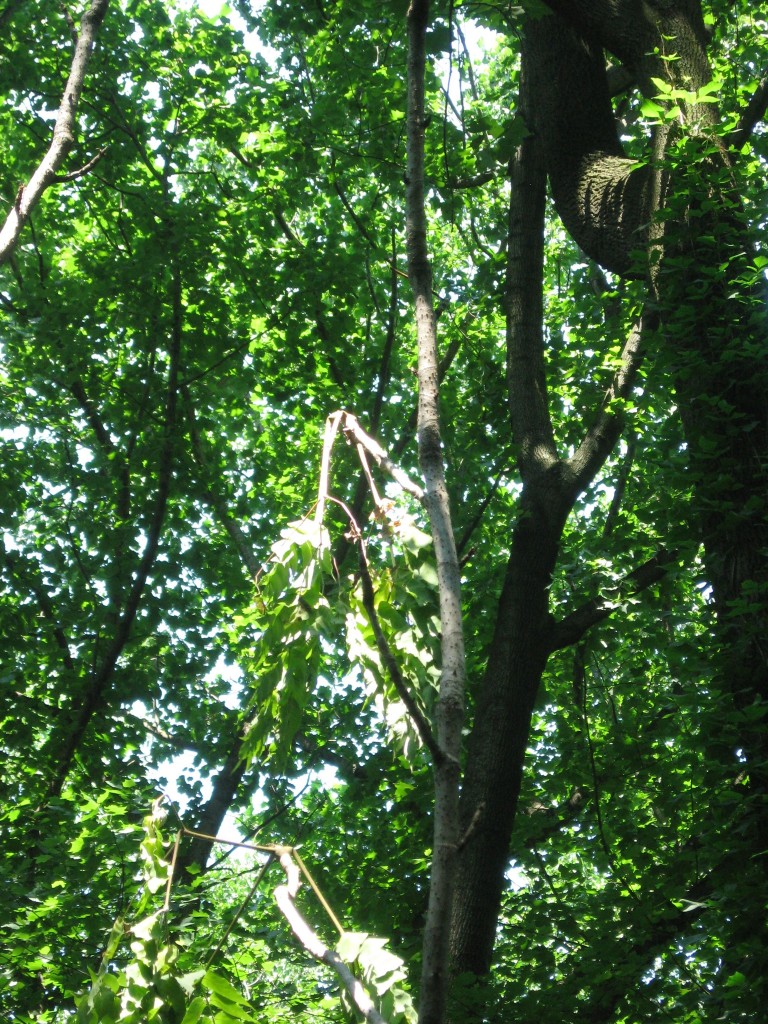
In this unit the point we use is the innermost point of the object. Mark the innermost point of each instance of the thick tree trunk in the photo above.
(525, 632)
(499, 736)
(696, 261)
(714, 336)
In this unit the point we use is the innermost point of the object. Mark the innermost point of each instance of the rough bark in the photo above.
(712, 311)
(209, 821)
(711, 317)
(525, 632)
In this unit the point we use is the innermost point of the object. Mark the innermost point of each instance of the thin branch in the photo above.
(116, 464)
(601, 437)
(45, 603)
(571, 629)
(351, 211)
(60, 179)
(241, 909)
(331, 430)
(501, 471)
(555, 818)
(390, 663)
(63, 747)
(468, 59)
(63, 139)
(752, 114)
(217, 502)
(219, 362)
(472, 828)
(620, 488)
(316, 890)
(285, 896)
(155, 729)
(353, 430)
(389, 342)
(477, 180)
(615, 864)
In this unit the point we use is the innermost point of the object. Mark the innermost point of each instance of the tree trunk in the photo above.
(696, 260)
(525, 632)
(499, 737)
(698, 263)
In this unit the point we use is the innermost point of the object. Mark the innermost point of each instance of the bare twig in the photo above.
(354, 431)
(331, 430)
(472, 828)
(60, 179)
(285, 896)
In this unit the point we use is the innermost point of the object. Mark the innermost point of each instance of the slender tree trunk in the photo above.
(64, 129)
(449, 712)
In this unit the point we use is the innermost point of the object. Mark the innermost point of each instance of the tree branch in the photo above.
(752, 114)
(526, 378)
(285, 896)
(354, 431)
(217, 502)
(390, 662)
(63, 133)
(547, 821)
(64, 744)
(116, 465)
(571, 629)
(61, 179)
(602, 436)
(30, 581)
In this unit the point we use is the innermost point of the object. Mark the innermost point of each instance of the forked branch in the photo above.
(284, 897)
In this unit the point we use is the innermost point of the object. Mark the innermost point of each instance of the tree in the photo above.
(217, 263)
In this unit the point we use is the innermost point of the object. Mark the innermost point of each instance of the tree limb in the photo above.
(752, 114)
(63, 744)
(602, 436)
(63, 133)
(571, 629)
(284, 897)
(217, 502)
(390, 662)
(526, 378)
(353, 430)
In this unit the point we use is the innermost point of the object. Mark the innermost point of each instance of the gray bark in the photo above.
(449, 713)
(63, 133)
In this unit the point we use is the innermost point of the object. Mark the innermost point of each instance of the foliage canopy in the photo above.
(212, 591)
